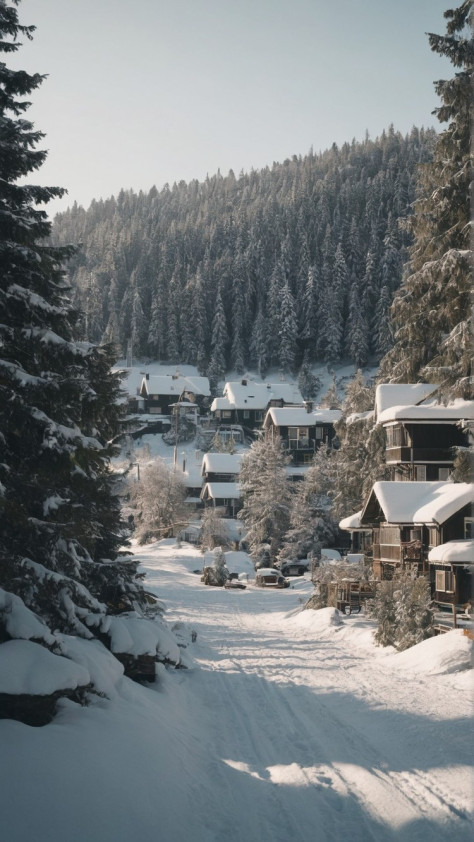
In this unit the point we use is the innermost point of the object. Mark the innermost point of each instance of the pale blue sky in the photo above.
(155, 91)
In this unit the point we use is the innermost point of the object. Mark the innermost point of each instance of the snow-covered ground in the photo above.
(288, 725)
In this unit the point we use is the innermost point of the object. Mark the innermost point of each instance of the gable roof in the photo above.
(430, 412)
(221, 463)
(453, 551)
(401, 394)
(418, 502)
(298, 416)
(246, 394)
(221, 490)
(175, 384)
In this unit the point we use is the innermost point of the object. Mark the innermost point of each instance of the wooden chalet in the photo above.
(410, 519)
(451, 567)
(160, 392)
(221, 467)
(302, 429)
(224, 496)
(245, 402)
(422, 439)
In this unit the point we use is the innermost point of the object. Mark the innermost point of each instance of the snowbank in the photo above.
(446, 653)
(29, 668)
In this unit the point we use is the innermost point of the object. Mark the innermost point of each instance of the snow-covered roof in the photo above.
(175, 384)
(221, 463)
(453, 551)
(131, 380)
(352, 522)
(298, 416)
(435, 412)
(221, 490)
(246, 394)
(401, 394)
(420, 502)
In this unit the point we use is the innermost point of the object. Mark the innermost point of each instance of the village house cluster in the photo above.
(419, 519)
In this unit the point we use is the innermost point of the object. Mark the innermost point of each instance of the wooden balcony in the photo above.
(421, 455)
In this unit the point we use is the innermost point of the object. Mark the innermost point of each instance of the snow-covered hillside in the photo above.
(288, 725)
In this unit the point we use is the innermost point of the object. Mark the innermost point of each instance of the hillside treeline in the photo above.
(296, 262)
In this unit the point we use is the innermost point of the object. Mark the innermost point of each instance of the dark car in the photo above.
(270, 577)
(294, 568)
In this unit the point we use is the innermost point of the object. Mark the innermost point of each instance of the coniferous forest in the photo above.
(298, 262)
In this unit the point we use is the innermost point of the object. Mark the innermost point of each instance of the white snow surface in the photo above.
(453, 551)
(297, 416)
(422, 502)
(456, 411)
(401, 394)
(27, 667)
(290, 725)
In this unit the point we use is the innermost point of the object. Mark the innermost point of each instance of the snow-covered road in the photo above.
(309, 730)
(289, 725)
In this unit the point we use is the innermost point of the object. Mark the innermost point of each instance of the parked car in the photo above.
(235, 584)
(294, 568)
(271, 577)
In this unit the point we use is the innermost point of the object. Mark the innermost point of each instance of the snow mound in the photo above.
(104, 669)
(446, 653)
(316, 620)
(29, 668)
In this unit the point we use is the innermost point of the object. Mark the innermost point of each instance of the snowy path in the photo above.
(288, 727)
(306, 735)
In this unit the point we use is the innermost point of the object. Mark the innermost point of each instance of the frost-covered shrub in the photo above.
(403, 610)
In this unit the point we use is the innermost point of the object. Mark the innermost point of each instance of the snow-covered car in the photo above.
(271, 577)
(235, 584)
(294, 568)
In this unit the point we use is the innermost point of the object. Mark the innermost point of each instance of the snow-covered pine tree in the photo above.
(266, 494)
(431, 310)
(60, 519)
(312, 524)
(287, 331)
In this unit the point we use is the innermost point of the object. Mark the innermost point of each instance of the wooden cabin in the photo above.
(422, 441)
(302, 429)
(245, 402)
(410, 519)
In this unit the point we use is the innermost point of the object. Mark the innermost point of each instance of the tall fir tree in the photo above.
(60, 529)
(431, 311)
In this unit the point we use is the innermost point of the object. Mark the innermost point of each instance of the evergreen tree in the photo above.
(287, 332)
(431, 311)
(60, 518)
(266, 495)
(312, 524)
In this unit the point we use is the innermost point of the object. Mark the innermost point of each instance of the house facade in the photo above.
(221, 467)
(302, 429)
(245, 402)
(422, 440)
(408, 520)
(160, 392)
(224, 496)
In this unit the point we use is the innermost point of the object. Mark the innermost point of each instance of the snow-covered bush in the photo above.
(158, 502)
(403, 610)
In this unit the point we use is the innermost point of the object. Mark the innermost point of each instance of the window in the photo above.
(443, 474)
(395, 437)
(445, 581)
(246, 413)
(469, 527)
(259, 415)
(226, 413)
(420, 473)
(319, 433)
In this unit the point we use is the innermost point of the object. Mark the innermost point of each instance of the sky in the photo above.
(160, 91)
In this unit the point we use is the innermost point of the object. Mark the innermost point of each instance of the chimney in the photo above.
(147, 376)
(309, 406)
(244, 382)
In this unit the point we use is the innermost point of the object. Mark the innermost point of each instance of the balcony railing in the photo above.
(301, 444)
(419, 454)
